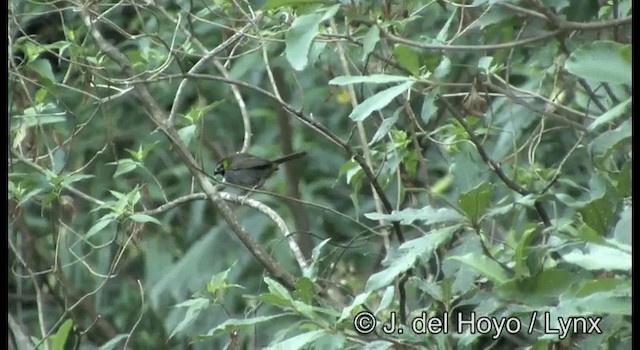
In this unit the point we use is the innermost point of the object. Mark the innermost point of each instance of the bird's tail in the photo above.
(289, 157)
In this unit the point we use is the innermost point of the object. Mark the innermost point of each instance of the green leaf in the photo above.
(312, 270)
(41, 114)
(299, 341)
(614, 284)
(235, 324)
(277, 289)
(357, 301)
(541, 289)
(611, 303)
(384, 127)
(125, 165)
(407, 58)
(601, 61)
(370, 40)
(194, 308)
(187, 133)
(427, 214)
(485, 266)
(429, 107)
(304, 290)
(598, 214)
(301, 35)
(97, 227)
(371, 79)
(522, 248)
(397, 266)
(598, 257)
(144, 218)
(443, 33)
(607, 141)
(623, 185)
(43, 68)
(378, 345)
(276, 4)
(484, 64)
(475, 201)
(432, 288)
(443, 68)
(614, 113)
(60, 338)
(70, 179)
(387, 298)
(397, 262)
(378, 101)
(622, 231)
(197, 112)
(113, 342)
(299, 38)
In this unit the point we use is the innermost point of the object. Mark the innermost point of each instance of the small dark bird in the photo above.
(247, 170)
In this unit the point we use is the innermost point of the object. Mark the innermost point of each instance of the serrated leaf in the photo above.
(97, 227)
(397, 262)
(144, 218)
(299, 341)
(612, 114)
(588, 62)
(124, 166)
(622, 231)
(484, 63)
(384, 127)
(194, 308)
(378, 345)
(300, 36)
(623, 185)
(475, 201)
(277, 289)
(113, 342)
(276, 4)
(187, 133)
(611, 303)
(60, 338)
(378, 101)
(387, 298)
(427, 214)
(521, 249)
(485, 266)
(70, 179)
(606, 141)
(443, 68)
(407, 58)
(386, 277)
(43, 68)
(541, 289)
(235, 324)
(598, 257)
(368, 79)
(429, 107)
(357, 301)
(370, 40)
(304, 290)
(598, 214)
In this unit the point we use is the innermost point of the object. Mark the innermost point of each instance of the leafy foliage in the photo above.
(465, 161)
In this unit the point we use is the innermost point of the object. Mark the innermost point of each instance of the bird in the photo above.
(247, 170)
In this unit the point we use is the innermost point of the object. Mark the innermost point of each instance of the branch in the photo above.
(158, 116)
(310, 122)
(564, 27)
(177, 101)
(542, 213)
